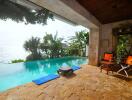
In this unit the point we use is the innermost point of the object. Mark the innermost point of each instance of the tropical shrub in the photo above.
(124, 47)
(78, 43)
(32, 46)
(32, 57)
(17, 61)
(53, 47)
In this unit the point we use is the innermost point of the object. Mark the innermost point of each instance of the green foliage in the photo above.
(74, 49)
(32, 57)
(19, 13)
(124, 47)
(17, 61)
(78, 43)
(32, 46)
(52, 46)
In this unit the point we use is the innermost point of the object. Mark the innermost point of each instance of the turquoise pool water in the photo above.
(12, 75)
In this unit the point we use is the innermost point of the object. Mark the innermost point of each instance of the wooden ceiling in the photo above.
(107, 11)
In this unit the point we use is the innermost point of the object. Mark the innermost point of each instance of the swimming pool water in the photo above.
(12, 75)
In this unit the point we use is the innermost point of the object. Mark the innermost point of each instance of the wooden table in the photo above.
(65, 71)
(107, 65)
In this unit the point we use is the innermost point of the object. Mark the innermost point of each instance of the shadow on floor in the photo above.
(122, 75)
(70, 76)
(128, 79)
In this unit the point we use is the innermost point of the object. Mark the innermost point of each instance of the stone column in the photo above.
(94, 46)
(107, 39)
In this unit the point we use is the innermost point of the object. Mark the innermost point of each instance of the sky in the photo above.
(13, 35)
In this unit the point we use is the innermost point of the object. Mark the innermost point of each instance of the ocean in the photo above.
(11, 52)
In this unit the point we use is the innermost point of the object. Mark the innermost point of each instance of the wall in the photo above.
(107, 40)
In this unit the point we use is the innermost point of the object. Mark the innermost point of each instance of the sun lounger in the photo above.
(75, 68)
(127, 65)
(45, 79)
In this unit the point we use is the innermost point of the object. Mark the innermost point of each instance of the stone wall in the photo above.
(107, 40)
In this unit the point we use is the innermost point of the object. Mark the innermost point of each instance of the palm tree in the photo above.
(82, 40)
(52, 46)
(32, 46)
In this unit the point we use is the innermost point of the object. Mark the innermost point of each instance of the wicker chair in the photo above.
(107, 62)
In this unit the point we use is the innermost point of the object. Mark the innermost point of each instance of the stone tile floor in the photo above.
(86, 84)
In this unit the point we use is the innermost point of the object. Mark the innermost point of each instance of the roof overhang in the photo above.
(108, 11)
(71, 10)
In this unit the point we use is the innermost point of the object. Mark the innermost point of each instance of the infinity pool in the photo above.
(12, 75)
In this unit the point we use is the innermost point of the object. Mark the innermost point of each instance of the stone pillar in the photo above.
(107, 39)
(94, 46)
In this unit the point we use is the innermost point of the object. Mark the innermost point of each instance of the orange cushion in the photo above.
(129, 60)
(108, 57)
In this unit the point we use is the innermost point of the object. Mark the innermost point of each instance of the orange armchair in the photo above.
(107, 62)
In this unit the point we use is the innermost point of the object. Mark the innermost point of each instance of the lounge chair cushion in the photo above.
(129, 60)
(108, 57)
(45, 79)
(75, 68)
